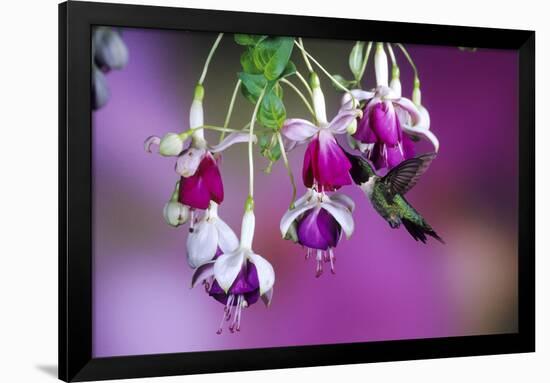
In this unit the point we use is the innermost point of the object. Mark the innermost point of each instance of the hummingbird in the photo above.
(386, 193)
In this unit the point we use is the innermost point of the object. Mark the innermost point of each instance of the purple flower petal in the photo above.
(213, 179)
(384, 122)
(205, 185)
(364, 132)
(331, 167)
(317, 229)
(377, 156)
(246, 283)
(408, 147)
(394, 156)
(310, 155)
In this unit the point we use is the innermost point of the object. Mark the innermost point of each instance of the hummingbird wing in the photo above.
(403, 177)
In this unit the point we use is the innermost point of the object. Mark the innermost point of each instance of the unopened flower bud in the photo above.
(395, 83)
(352, 127)
(175, 213)
(417, 95)
(171, 145)
(318, 99)
(381, 65)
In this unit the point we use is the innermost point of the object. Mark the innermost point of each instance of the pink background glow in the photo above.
(387, 286)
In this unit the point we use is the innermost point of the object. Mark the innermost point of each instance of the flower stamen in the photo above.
(319, 268)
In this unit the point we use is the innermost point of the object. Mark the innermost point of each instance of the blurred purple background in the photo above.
(387, 286)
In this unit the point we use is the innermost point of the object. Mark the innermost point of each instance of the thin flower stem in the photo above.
(250, 141)
(189, 132)
(325, 71)
(230, 109)
(207, 62)
(365, 60)
(409, 59)
(304, 99)
(306, 60)
(392, 55)
(288, 168)
(306, 84)
(321, 67)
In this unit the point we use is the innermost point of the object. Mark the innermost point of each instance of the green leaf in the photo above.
(272, 55)
(289, 70)
(247, 62)
(275, 152)
(342, 81)
(264, 141)
(356, 59)
(272, 113)
(252, 40)
(252, 85)
(269, 148)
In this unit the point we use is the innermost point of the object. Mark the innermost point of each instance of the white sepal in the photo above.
(298, 130)
(227, 267)
(410, 108)
(344, 200)
(150, 141)
(358, 95)
(292, 214)
(189, 161)
(202, 272)
(341, 214)
(266, 274)
(202, 243)
(233, 138)
(227, 240)
(267, 297)
(343, 119)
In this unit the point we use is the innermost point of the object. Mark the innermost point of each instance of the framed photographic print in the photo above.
(249, 191)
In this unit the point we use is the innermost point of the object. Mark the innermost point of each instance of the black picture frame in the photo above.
(75, 192)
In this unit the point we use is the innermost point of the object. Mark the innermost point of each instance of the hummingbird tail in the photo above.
(419, 232)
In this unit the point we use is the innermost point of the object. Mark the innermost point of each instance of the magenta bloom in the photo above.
(383, 130)
(203, 186)
(326, 166)
(317, 222)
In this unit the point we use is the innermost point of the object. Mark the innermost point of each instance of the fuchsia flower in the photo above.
(326, 167)
(201, 181)
(237, 278)
(317, 221)
(388, 119)
(203, 186)
(383, 126)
